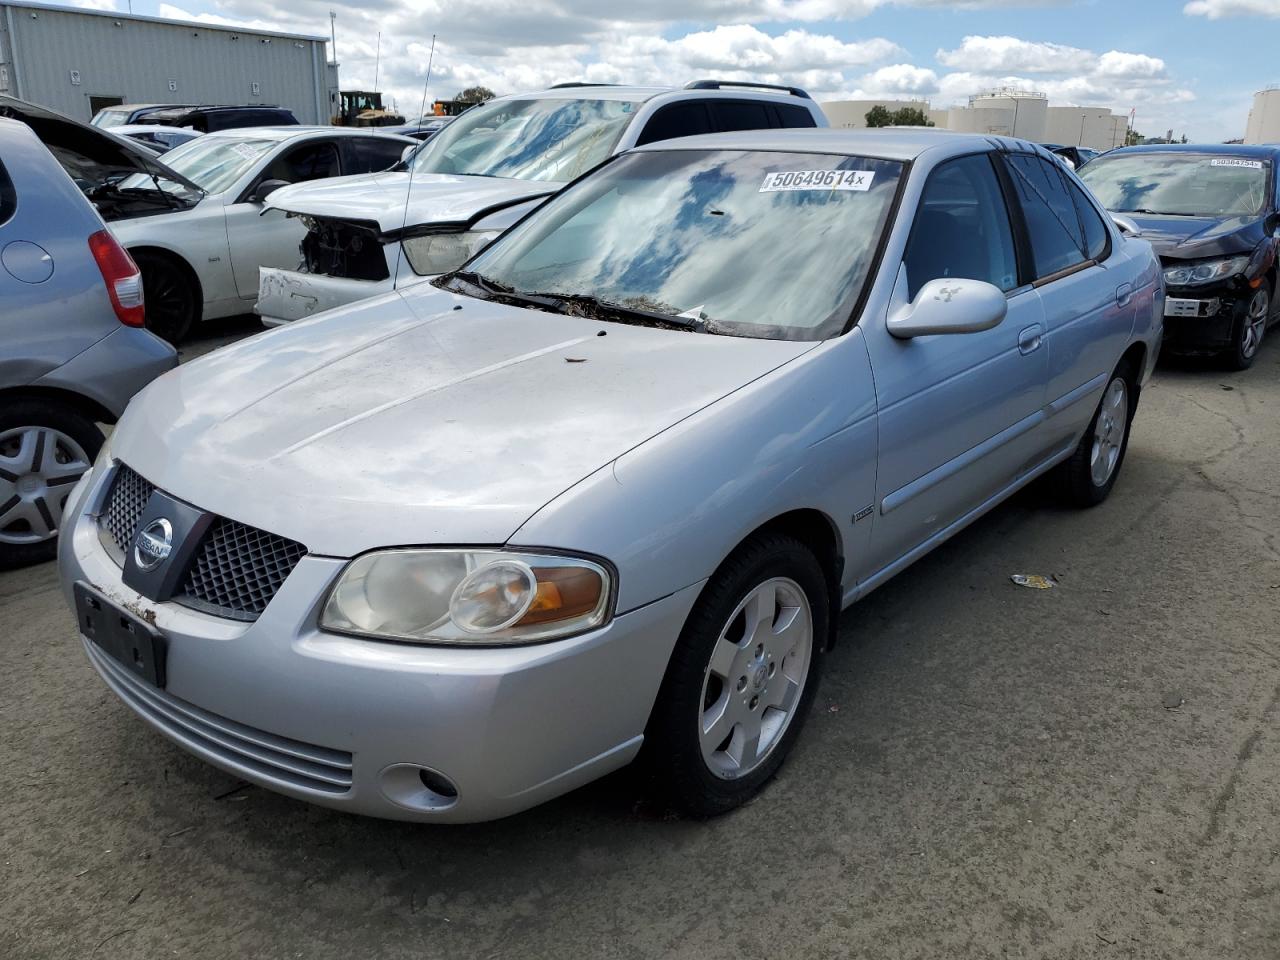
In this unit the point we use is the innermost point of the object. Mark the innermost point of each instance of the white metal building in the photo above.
(76, 61)
(1264, 118)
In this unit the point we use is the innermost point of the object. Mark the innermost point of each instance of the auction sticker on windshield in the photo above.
(1248, 164)
(817, 180)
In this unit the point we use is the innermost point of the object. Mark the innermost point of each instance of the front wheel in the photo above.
(1088, 476)
(1249, 329)
(742, 677)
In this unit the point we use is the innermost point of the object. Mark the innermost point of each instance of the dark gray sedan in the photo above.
(72, 347)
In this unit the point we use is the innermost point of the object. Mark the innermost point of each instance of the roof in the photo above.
(898, 144)
(602, 91)
(199, 24)
(1261, 151)
(289, 132)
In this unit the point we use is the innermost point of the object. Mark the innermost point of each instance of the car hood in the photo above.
(1187, 238)
(90, 155)
(421, 417)
(380, 198)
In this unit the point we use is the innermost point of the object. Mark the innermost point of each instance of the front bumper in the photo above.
(349, 723)
(1201, 320)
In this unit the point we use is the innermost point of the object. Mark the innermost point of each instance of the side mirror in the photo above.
(408, 152)
(1127, 226)
(265, 189)
(950, 306)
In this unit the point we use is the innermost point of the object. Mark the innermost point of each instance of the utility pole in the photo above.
(333, 37)
(377, 61)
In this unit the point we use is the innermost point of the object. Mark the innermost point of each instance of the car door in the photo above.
(272, 239)
(958, 413)
(1088, 296)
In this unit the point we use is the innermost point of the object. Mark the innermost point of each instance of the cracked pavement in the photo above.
(989, 772)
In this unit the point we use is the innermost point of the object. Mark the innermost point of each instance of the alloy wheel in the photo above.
(755, 678)
(1108, 432)
(1255, 324)
(38, 466)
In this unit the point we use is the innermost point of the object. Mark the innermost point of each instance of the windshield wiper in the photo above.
(586, 305)
(1160, 213)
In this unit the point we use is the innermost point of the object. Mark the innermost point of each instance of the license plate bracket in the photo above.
(128, 639)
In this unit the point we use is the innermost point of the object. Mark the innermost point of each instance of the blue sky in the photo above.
(1192, 65)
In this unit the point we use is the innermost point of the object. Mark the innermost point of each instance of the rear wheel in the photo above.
(1087, 477)
(742, 677)
(172, 303)
(45, 447)
(1249, 329)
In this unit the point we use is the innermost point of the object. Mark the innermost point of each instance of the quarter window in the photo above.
(369, 155)
(1057, 241)
(311, 161)
(1097, 237)
(677, 120)
(790, 115)
(962, 228)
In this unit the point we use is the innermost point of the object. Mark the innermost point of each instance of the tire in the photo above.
(769, 664)
(60, 444)
(1248, 330)
(172, 300)
(1087, 478)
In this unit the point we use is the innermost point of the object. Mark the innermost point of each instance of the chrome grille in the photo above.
(268, 756)
(128, 498)
(237, 570)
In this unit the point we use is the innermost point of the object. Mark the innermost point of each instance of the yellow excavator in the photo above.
(363, 108)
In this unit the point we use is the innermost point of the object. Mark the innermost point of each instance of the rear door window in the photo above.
(686, 119)
(789, 115)
(732, 115)
(1097, 238)
(1057, 240)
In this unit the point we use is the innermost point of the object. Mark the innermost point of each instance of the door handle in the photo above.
(1029, 339)
(1124, 293)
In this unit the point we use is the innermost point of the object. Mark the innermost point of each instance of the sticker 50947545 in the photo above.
(859, 180)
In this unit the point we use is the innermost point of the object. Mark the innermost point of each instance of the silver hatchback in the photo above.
(601, 494)
(72, 351)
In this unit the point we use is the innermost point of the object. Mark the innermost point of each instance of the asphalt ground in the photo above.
(990, 771)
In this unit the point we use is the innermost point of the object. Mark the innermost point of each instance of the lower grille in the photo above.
(279, 760)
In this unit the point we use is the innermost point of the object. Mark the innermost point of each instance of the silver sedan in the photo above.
(601, 495)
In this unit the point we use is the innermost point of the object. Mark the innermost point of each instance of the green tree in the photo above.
(879, 116)
(474, 95)
(911, 117)
(1133, 138)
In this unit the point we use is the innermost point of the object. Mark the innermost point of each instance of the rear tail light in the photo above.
(124, 282)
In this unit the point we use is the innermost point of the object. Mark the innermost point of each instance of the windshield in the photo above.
(110, 118)
(753, 244)
(1178, 184)
(213, 163)
(553, 140)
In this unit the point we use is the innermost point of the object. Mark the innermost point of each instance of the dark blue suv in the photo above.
(1212, 213)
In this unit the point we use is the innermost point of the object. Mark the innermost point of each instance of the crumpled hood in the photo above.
(1194, 237)
(379, 198)
(421, 417)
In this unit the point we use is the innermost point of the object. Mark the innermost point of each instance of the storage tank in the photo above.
(1264, 118)
(1029, 109)
(997, 121)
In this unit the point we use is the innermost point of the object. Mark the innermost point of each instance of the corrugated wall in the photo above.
(61, 59)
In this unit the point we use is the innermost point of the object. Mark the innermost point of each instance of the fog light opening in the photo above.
(438, 784)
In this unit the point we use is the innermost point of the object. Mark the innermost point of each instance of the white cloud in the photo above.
(1131, 66)
(899, 80)
(1220, 9)
(1003, 54)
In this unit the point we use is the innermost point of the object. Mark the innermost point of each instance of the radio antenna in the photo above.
(408, 190)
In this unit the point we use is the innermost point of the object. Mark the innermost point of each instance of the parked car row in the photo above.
(657, 384)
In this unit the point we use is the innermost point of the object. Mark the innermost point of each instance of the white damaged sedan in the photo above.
(601, 494)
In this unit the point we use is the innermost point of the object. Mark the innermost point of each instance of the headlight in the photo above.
(443, 252)
(1207, 271)
(468, 596)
